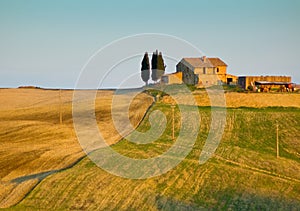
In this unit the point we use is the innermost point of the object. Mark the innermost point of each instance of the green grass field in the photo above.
(244, 173)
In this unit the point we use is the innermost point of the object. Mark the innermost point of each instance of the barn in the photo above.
(264, 81)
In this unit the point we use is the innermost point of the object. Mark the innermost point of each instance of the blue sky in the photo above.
(46, 43)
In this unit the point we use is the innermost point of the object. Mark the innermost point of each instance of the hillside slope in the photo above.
(243, 174)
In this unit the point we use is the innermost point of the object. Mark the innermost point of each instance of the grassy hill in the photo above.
(243, 174)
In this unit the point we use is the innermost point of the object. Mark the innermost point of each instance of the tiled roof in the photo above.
(198, 62)
(217, 62)
(208, 62)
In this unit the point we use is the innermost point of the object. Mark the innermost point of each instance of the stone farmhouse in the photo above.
(204, 71)
(200, 72)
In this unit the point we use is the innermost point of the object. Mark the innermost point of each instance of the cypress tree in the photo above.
(145, 70)
(154, 66)
(160, 66)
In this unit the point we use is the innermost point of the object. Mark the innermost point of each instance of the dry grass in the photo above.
(32, 141)
(256, 100)
(15, 192)
(245, 171)
(244, 175)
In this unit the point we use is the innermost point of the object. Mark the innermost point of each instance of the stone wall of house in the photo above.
(205, 70)
(188, 76)
(221, 70)
(208, 80)
(174, 78)
(180, 67)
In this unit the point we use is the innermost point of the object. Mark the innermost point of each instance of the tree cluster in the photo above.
(157, 67)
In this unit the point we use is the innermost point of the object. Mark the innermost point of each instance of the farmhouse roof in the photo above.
(205, 62)
(217, 62)
(198, 62)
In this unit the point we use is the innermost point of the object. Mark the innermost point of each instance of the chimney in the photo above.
(204, 59)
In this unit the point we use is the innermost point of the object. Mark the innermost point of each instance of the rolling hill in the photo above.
(244, 173)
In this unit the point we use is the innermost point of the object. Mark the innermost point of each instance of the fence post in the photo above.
(60, 107)
(277, 140)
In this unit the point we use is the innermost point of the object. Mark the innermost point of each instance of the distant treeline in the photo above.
(29, 87)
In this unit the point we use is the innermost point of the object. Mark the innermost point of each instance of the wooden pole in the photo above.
(173, 122)
(277, 140)
(60, 107)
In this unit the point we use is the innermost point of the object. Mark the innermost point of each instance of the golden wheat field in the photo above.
(44, 167)
(234, 99)
(33, 143)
